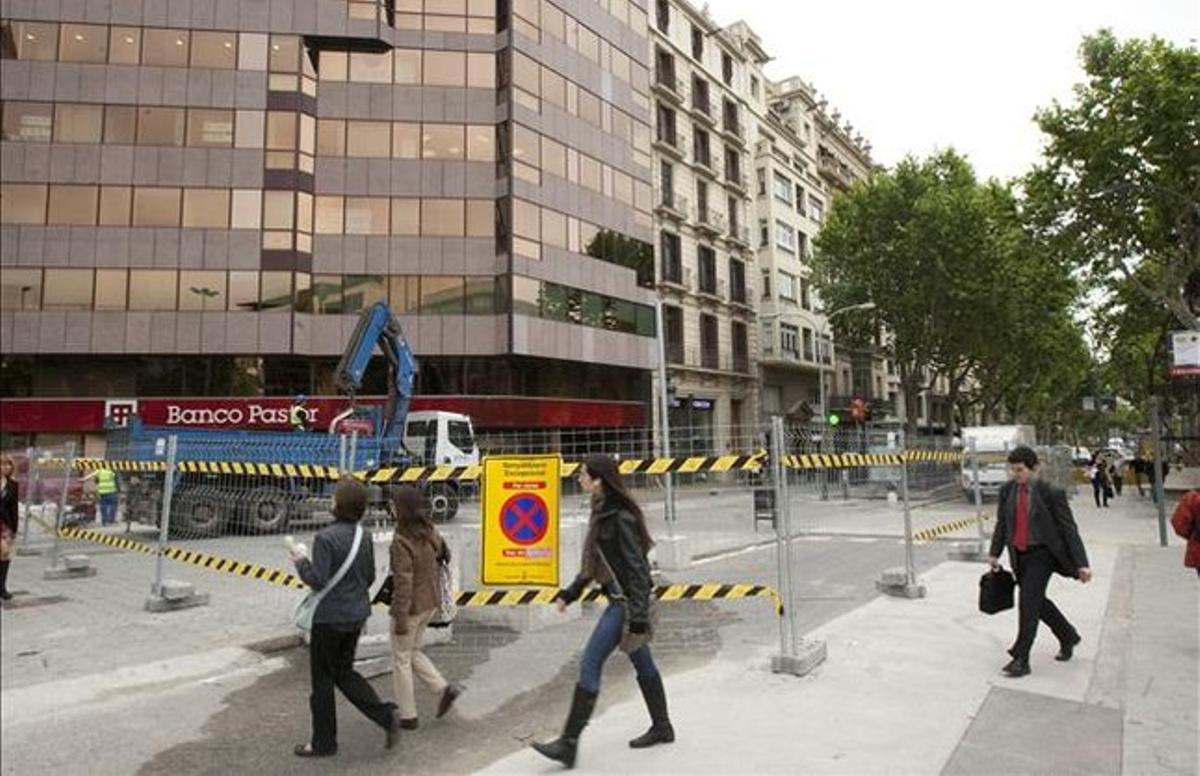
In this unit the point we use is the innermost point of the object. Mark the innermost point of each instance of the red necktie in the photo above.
(1021, 532)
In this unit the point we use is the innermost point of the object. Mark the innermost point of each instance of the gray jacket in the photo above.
(350, 601)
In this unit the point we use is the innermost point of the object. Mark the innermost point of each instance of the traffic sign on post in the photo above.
(520, 520)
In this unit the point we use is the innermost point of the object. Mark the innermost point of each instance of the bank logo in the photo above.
(117, 412)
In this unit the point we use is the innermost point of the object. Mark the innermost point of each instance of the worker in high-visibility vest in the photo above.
(106, 491)
(298, 415)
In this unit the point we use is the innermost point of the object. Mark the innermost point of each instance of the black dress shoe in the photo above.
(306, 750)
(1067, 648)
(1017, 668)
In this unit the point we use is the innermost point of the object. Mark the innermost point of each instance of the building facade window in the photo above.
(785, 237)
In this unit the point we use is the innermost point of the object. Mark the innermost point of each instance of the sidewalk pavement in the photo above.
(914, 687)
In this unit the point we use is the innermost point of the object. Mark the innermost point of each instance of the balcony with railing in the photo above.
(835, 170)
(666, 84)
(710, 288)
(738, 295)
(672, 204)
(701, 107)
(710, 221)
(739, 234)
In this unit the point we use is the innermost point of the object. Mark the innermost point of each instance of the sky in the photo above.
(914, 76)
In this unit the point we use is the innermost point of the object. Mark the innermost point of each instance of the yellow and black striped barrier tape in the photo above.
(929, 534)
(468, 598)
(705, 592)
(752, 462)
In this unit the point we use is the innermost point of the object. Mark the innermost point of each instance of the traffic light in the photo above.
(833, 419)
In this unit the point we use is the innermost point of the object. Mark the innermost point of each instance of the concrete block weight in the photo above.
(172, 595)
(71, 567)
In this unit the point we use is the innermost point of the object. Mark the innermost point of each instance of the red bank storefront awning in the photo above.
(31, 416)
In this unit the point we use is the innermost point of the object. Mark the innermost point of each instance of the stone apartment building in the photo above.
(706, 271)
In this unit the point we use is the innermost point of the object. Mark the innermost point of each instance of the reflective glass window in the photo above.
(275, 291)
(442, 295)
(35, 40)
(328, 218)
(445, 68)
(361, 291)
(125, 45)
(243, 291)
(442, 141)
(214, 49)
(83, 43)
(331, 137)
(442, 217)
(210, 128)
(152, 289)
(481, 142)
(202, 290)
(156, 206)
(75, 123)
(368, 138)
(68, 289)
(367, 215)
(120, 124)
(115, 205)
(481, 218)
(206, 208)
(161, 126)
(406, 216)
(404, 294)
(407, 66)
(369, 67)
(72, 205)
(167, 48)
(406, 140)
(28, 122)
(22, 203)
(112, 288)
(20, 289)
(481, 70)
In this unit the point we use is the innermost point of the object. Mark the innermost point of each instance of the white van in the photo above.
(992, 443)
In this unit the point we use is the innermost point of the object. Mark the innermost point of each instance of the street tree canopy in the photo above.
(1119, 186)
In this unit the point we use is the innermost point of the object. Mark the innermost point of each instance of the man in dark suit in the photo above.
(1034, 521)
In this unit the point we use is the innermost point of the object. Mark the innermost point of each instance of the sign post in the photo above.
(520, 520)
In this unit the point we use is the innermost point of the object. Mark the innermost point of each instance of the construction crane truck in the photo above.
(211, 500)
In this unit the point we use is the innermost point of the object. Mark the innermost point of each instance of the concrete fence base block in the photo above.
(809, 655)
(905, 590)
(672, 553)
(968, 551)
(172, 595)
(71, 567)
(26, 551)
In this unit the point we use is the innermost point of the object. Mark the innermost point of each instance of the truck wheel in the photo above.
(269, 510)
(198, 513)
(443, 502)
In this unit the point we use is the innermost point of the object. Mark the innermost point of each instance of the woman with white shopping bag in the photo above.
(420, 560)
(339, 574)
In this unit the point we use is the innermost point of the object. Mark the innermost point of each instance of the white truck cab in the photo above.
(438, 438)
(992, 443)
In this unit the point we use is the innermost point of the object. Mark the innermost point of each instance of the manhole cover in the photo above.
(24, 602)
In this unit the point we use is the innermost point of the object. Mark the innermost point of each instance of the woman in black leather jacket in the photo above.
(614, 557)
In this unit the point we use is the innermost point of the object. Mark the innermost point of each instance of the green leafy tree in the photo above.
(1119, 187)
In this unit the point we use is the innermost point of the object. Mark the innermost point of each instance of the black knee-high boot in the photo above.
(660, 731)
(4, 594)
(564, 747)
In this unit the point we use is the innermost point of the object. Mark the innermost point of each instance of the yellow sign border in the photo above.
(492, 541)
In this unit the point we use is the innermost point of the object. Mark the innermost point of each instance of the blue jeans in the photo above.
(108, 508)
(604, 639)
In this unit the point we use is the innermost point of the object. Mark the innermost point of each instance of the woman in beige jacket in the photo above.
(417, 549)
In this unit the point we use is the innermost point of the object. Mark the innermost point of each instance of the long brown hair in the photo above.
(411, 516)
(603, 468)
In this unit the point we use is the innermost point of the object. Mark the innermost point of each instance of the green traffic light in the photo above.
(834, 419)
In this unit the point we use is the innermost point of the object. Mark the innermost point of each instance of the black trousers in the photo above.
(1099, 489)
(331, 660)
(1034, 569)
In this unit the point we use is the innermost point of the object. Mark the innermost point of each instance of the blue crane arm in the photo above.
(377, 326)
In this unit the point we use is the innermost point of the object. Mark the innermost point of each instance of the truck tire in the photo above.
(198, 513)
(443, 502)
(269, 510)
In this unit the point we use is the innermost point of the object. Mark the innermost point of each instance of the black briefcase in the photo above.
(996, 591)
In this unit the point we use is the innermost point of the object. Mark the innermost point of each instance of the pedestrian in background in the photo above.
(1117, 474)
(9, 500)
(1034, 523)
(417, 552)
(1137, 467)
(614, 556)
(1186, 522)
(106, 492)
(1098, 474)
(338, 622)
